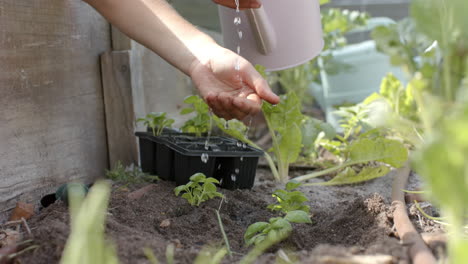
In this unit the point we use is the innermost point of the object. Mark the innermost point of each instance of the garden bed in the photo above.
(347, 220)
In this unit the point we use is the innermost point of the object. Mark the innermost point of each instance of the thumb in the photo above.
(257, 83)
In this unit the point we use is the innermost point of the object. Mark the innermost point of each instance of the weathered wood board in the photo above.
(119, 106)
(52, 127)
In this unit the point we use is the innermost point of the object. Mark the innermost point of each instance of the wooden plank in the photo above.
(52, 127)
(120, 41)
(118, 101)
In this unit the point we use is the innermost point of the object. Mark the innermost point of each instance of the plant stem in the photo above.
(280, 177)
(323, 172)
(221, 227)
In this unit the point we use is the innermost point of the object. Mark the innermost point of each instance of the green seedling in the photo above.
(129, 175)
(199, 189)
(289, 200)
(201, 122)
(284, 123)
(87, 243)
(157, 121)
(275, 228)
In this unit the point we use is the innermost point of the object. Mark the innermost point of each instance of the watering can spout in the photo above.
(279, 35)
(262, 30)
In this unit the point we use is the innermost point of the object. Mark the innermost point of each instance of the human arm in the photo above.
(156, 25)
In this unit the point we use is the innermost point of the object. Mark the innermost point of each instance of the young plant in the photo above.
(276, 229)
(199, 189)
(370, 147)
(289, 200)
(130, 175)
(238, 130)
(441, 159)
(87, 243)
(284, 123)
(201, 122)
(157, 121)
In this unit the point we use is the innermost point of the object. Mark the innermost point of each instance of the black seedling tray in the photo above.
(177, 156)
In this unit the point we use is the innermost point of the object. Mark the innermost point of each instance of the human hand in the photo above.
(229, 96)
(242, 3)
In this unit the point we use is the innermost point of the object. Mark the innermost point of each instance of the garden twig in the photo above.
(26, 226)
(418, 250)
(16, 222)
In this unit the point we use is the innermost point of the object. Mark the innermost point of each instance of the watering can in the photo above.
(280, 34)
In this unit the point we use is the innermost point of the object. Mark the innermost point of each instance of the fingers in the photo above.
(259, 85)
(229, 107)
(242, 3)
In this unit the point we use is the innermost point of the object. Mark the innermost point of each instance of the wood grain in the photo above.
(118, 101)
(52, 114)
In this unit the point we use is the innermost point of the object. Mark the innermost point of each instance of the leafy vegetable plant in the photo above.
(201, 122)
(157, 121)
(289, 200)
(276, 229)
(360, 152)
(284, 123)
(199, 189)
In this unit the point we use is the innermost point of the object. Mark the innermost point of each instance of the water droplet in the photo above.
(204, 158)
(239, 32)
(237, 170)
(237, 67)
(237, 21)
(238, 144)
(238, 49)
(221, 181)
(241, 158)
(226, 126)
(233, 177)
(219, 166)
(244, 145)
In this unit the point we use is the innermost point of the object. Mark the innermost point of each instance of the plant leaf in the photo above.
(292, 184)
(298, 216)
(349, 176)
(389, 151)
(255, 228)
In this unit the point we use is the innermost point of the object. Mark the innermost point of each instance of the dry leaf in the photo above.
(22, 210)
(135, 195)
(9, 237)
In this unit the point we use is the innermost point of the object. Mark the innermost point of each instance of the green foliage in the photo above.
(352, 120)
(157, 121)
(289, 200)
(314, 131)
(211, 255)
(284, 123)
(442, 163)
(277, 227)
(406, 47)
(199, 189)
(87, 243)
(337, 22)
(129, 175)
(201, 122)
(362, 151)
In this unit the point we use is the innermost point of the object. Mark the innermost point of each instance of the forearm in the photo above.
(155, 24)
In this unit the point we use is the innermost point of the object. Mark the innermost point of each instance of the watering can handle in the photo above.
(262, 30)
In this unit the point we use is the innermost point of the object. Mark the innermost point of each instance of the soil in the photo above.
(347, 220)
